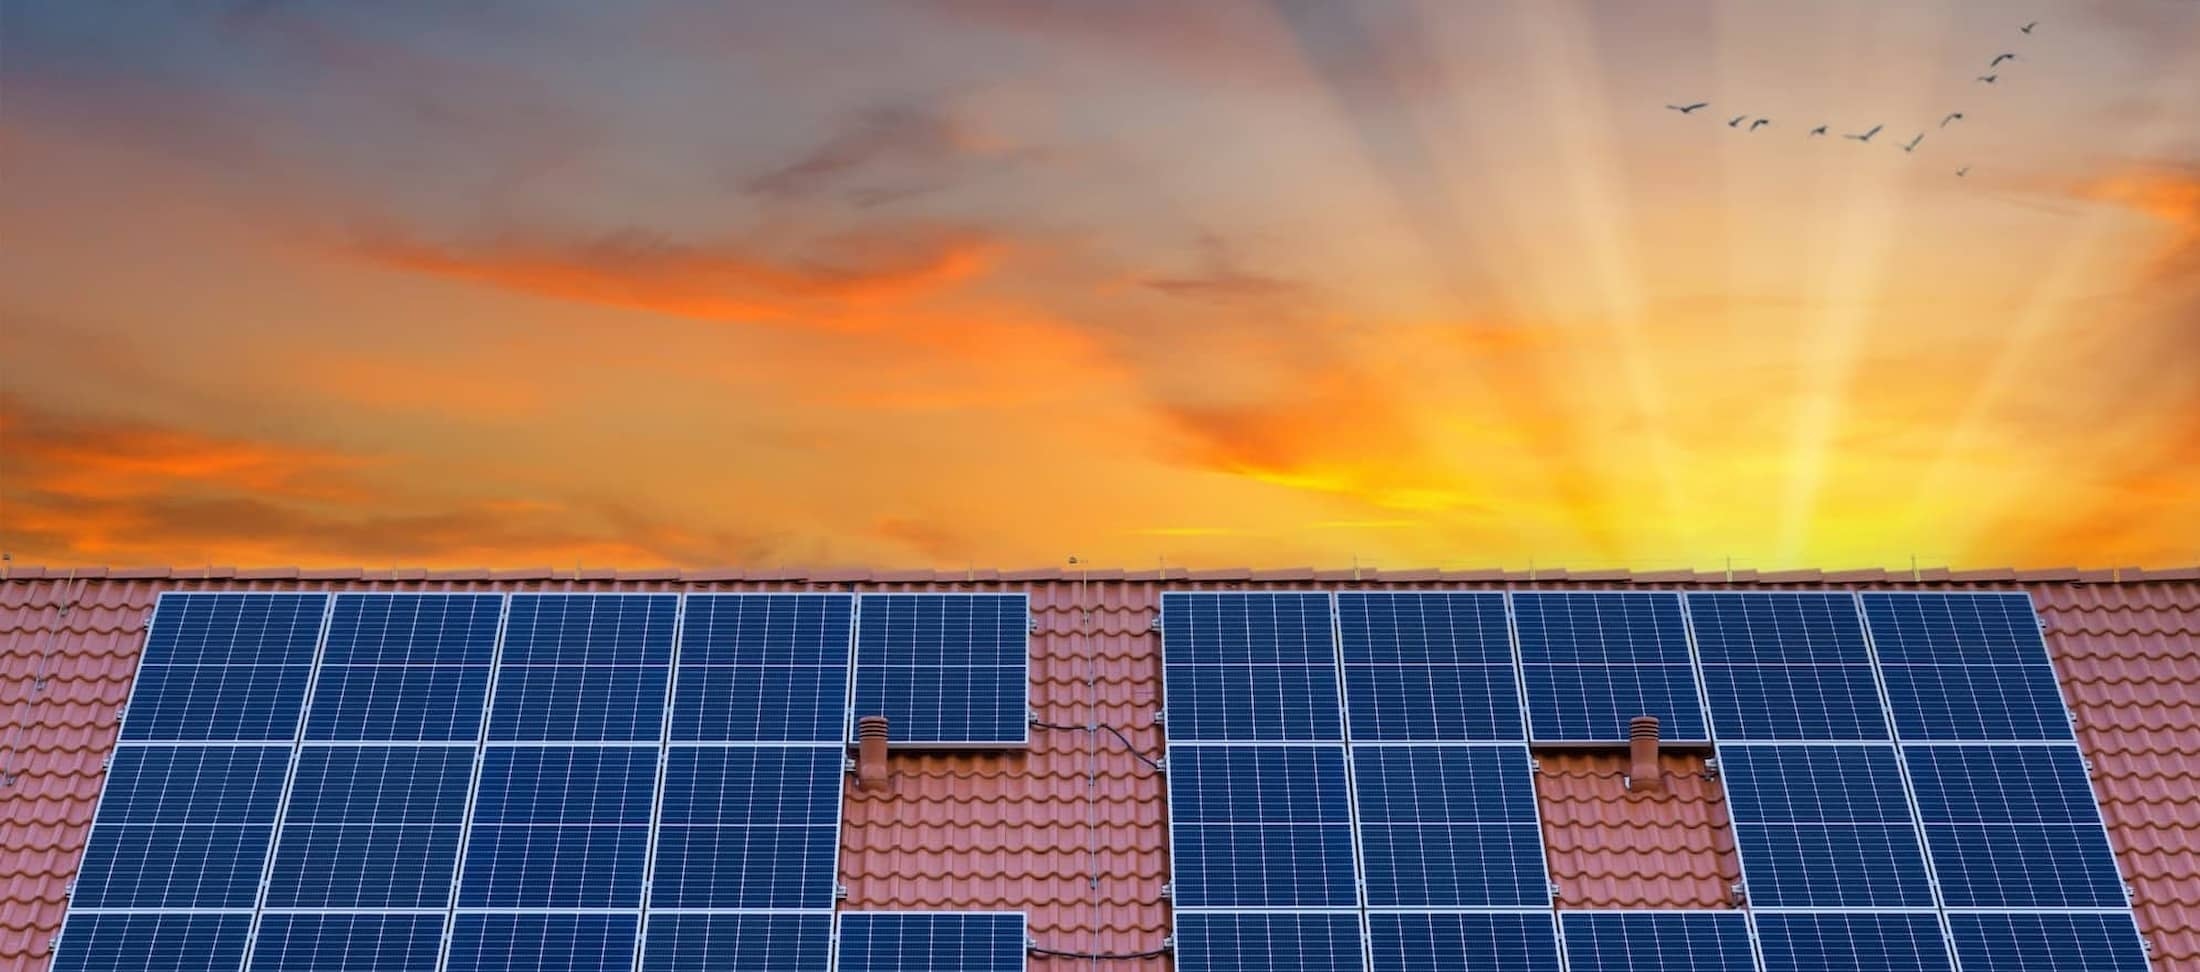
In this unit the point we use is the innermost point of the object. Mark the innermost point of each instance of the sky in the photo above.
(995, 283)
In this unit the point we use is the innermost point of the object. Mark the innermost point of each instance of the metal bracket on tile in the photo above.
(1535, 766)
(840, 892)
(1161, 765)
(1739, 890)
(1031, 623)
(1157, 620)
(1557, 892)
(1168, 891)
(1711, 767)
(1168, 943)
(847, 764)
(1160, 717)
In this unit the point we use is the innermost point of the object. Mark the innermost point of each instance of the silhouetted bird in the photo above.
(1685, 109)
(1912, 146)
(1761, 121)
(2028, 27)
(1960, 173)
(1998, 58)
(1820, 130)
(1736, 121)
(1867, 136)
(1952, 116)
(1988, 78)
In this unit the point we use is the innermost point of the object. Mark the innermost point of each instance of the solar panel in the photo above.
(405, 667)
(225, 667)
(1966, 666)
(2048, 942)
(2013, 827)
(1428, 942)
(1282, 942)
(347, 942)
(1449, 826)
(1261, 826)
(946, 669)
(584, 667)
(372, 827)
(1249, 667)
(1594, 661)
(1852, 942)
(153, 942)
(182, 827)
(542, 943)
(1824, 826)
(1432, 667)
(749, 827)
(1672, 941)
(749, 942)
(1786, 666)
(560, 827)
(764, 667)
(882, 941)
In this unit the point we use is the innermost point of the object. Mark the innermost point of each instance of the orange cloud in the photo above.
(424, 385)
(108, 459)
(2167, 193)
(723, 282)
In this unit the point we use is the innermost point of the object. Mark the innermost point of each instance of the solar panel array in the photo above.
(371, 781)
(1901, 780)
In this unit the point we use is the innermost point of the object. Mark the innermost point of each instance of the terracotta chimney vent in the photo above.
(871, 752)
(1642, 750)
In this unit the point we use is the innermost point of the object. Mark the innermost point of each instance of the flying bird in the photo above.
(1952, 116)
(1912, 146)
(1820, 130)
(1960, 173)
(1736, 121)
(1988, 78)
(2028, 27)
(1685, 109)
(1761, 121)
(1998, 58)
(1867, 136)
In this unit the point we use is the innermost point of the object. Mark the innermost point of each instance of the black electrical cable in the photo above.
(1058, 953)
(1117, 733)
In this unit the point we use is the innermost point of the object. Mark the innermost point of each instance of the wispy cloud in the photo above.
(2169, 193)
(896, 136)
(1221, 277)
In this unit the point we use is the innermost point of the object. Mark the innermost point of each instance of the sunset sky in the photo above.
(994, 282)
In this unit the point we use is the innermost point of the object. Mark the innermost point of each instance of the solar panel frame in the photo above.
(1901, 675)
(902, 735)
(1688, 724)
(1541, 943)
(1363, 687)
(1755, 858)
(2121, 944)
(1778, 955)
(2096, 873)
(140, 712)
(693, 659)
(1183, 725)
(1385, 881)
(1192, 944)
(1577, 935)
(1022, 937)
(1830, 643)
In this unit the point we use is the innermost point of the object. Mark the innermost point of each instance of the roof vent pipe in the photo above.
(1642, 751)
(871, 752)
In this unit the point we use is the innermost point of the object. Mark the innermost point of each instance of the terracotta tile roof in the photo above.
(1019, 831)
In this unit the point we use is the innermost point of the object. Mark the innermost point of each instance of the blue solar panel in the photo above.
(749, 827)
(581, 667)
(194, 785)
(2042, 942)
(1704, 941)
(542, 943)
(1966, 666)
(405, 667)
(1300, 942)
(1449, 826)
(1593, 661)
(1261, 826)
(153, 943)
(1250, 667)
(1424, 942)
(1429, 667)
(2001, 784)
(1852, 942)
(347, 942)
(560, 827)
(225, 666)
(2024, 866)
(1824, 826)
(748, 942)
(1786, 666)
(770, 667)
(182, 827)
(946, 669)
(931, 942)
(372, 827)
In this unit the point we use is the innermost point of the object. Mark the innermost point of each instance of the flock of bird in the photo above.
(1991, 77)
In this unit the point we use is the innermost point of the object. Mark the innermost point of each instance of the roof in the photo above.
(1075, 835)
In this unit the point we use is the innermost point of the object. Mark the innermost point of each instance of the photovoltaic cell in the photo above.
(347, 942)
(372, 827)
(2048, 942)
(2014, 827)
(194, 785)
(1427, 942)
(1824, 826)
(1593, 661)
(152, 942)
(542, 943)
(1852, 942)
(1786, 666)
(764, 667)
(560, 827)
(749, 942)
(1708, 941)
(182, 827)
(1288, 942)
(749, 827)
(946, 669)
(1434, 667)
(1449, 826)
(1966, 666)
(225, 667)
(578, 667)
(931, 942)
(1250, 667)
(405, 667)
(1261, 826)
